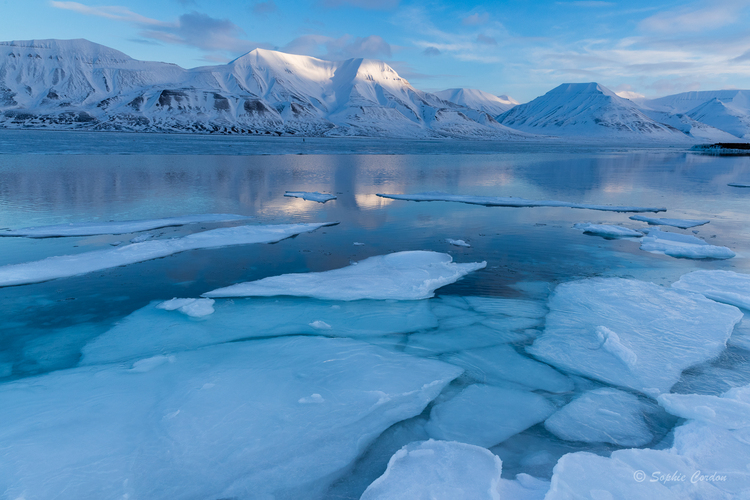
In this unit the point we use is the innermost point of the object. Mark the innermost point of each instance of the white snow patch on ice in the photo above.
(497, 201)
(196, 308)
(87, 262)
(681, 223)
(118, 227)
(320, 325)
(400, 276)
(608, 230)
(310, 196)
(722, 286)
(682, 246)
(660, 332)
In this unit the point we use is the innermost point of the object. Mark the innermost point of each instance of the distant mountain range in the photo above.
(76, 84)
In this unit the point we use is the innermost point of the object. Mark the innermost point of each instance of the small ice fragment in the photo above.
(315, 398)
(681, 223)
(458, 243)
(310, 196)
(195, 308)
(358, 244)
(320, 325)
(497, 201)
(608, 231)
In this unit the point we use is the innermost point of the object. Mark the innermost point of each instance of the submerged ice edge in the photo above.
(118, 227)
(72, 265)
(497, 201)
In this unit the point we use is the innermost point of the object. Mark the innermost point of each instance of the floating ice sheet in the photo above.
(118, 227)
(151, 330)
(310, 196)
(723, 286)
(608, 230)
(631, 333)
(400, 276)
(682, 246)
(196, 308)
(496, 201)
(445, 470)
(227, 421)
(681, 223)
(72, 265)
(602, 416)
(485, 415)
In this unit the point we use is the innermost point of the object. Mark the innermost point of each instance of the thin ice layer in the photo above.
(310, 196)
(681, 223)
(497, 201)
(399, 276)
(631, 333)
(87, 262)
(723, 286)
(118, 227)
(708, 460)
(276, 418)
(602, 416)
(502, 364)
(446, 470)
(608, 230)
(683, 246)
(151, 330)
(484, 415)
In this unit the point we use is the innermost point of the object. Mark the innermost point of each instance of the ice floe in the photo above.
(501, 365)
(681, 223)
(602, 416)
(608, 230)
(277, 418)
(118, 227)
(446, 470)
(400, 276)
(151, 330)
(631, 333)
(497, 201)
(72, 265)
(196, 308)
(722, 286)
(310, 196)
(708, 458)
(682, 246)
(485, 415)
(457, 243)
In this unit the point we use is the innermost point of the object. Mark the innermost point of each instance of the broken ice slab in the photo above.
(72, 265)
(401, 276)
(608, 230)
(310, 196)
(728, 287)
(682, 246)
(681, 223)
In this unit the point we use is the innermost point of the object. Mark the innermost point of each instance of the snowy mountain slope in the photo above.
(477, 99)
(588, 110)
(691, 127)
(687, 101)
(79, 84)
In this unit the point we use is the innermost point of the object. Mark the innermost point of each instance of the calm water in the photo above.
(74, 180)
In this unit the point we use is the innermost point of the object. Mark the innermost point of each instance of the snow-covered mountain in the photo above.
(477, 99)
(79, 84)
(727, 110)
(586, 110)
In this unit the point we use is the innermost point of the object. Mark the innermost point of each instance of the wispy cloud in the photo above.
(345, 47)
(363, 4)
(476, 19)
(588, 4)
(697, 17)
(110, 12)
(263, 8)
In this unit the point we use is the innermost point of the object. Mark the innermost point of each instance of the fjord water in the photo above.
(80, 177)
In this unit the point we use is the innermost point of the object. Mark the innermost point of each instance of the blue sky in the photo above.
(515, 47)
